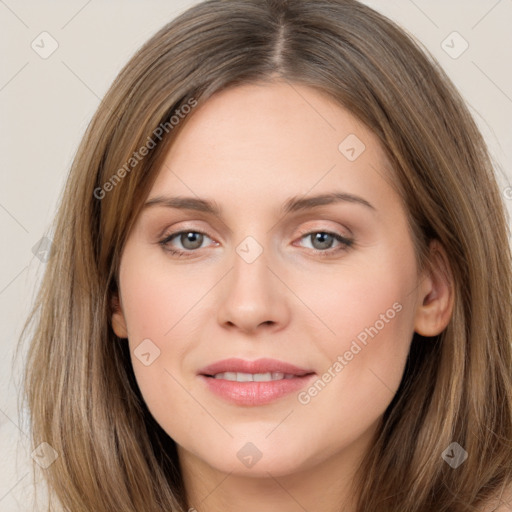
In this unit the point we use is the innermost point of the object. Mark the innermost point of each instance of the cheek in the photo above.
(371, 313)
(160, 316)
(154, 298)
(364, 302)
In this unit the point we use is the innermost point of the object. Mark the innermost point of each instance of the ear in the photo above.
(435, 294)
(118, 320)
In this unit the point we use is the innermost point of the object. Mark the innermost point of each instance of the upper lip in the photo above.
(263, 365)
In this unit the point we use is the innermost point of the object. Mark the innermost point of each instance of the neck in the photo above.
(327, 485)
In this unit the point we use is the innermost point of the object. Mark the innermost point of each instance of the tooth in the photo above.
(262, 377)
(244, 377)
(253, 377)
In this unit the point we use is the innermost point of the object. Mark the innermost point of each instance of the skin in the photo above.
(250, 149)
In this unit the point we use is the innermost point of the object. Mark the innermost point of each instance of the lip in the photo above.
(254, 393)
(263, 365)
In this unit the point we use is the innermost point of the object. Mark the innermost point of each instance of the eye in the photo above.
(190, 241)
(322, 242)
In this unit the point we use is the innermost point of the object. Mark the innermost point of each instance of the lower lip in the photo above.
(255, 393)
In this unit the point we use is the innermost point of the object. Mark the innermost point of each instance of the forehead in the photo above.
(271, 140)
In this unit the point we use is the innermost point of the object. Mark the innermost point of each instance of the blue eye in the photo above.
(190, 240)
(322, 242)
(325, 240)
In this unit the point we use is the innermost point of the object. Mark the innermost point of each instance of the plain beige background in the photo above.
(46, 103)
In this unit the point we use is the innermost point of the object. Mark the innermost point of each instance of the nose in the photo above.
(253, 297)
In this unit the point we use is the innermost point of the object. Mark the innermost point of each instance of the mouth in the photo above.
(252, 377)
(252, 383)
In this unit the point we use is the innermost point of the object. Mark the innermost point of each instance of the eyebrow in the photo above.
(294, 204)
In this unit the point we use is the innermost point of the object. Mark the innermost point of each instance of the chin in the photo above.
(258, 459)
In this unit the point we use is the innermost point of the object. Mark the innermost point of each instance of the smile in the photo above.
(253, 383)
(253, 377)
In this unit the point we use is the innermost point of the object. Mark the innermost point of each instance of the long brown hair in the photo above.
(457, 387)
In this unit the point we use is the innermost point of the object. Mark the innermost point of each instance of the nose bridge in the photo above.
(253, 296)
(250, 272)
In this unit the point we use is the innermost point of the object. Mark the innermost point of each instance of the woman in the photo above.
(280, 279)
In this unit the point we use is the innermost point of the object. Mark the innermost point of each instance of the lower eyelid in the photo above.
(172, 236)
(343, 241)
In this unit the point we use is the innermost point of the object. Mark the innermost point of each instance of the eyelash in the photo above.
(346, 243)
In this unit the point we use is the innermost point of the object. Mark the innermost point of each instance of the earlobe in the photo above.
(436, 294)
(118, 320)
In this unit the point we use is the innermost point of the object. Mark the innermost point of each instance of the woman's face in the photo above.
(293, 246)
